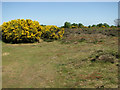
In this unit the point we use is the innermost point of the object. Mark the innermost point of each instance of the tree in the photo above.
(80, 25)
(74, 24)
(89, 26)
(106, 25)
(93, 25)
(43, 25)
(67, 25)
(117, 22)
(100, 25)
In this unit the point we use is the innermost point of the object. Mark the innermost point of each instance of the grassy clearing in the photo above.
(57, 64)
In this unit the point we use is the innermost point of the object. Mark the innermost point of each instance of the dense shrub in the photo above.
(52, 32)
(23, 31)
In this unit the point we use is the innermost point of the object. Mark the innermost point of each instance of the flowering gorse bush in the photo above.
(23, 31)
(52, 32)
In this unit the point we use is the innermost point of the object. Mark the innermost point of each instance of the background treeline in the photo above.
(80, 25)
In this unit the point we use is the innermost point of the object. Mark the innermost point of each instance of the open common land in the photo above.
(81, 59)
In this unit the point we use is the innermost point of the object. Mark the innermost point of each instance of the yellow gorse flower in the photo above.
(20, 30)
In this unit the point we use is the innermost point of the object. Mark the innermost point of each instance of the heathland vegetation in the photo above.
(27, 31)
(70, 56)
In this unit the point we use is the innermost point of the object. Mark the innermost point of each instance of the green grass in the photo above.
(58, 65)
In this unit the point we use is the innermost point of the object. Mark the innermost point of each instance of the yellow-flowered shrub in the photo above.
(20, 30)
(52, 32)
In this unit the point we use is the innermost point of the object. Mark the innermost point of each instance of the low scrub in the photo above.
(88, 38)
(104, 56)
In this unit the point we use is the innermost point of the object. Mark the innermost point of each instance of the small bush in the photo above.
(52, 32)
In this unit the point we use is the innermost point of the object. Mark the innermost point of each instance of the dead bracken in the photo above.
(104, 56)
